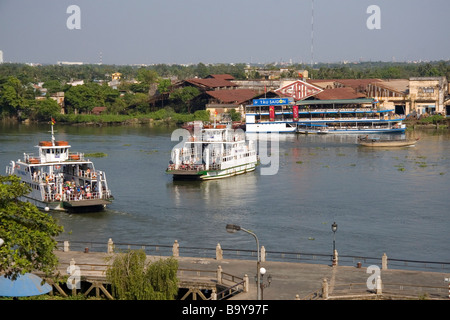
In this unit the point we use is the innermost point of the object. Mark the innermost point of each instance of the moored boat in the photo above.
(342, 116)
(213, 153)
(60, 179)
(375, 142)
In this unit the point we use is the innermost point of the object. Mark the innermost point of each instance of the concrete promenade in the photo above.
(293, 280)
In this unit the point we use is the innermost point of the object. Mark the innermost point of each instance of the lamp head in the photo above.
(334, 227)
(232, 228)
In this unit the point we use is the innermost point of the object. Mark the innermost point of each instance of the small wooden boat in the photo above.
(372, 142)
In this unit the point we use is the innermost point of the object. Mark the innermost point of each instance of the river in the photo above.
(392, 201)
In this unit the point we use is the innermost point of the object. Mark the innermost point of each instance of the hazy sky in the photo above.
(213, 31)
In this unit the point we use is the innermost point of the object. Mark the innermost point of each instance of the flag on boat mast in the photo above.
(53, 121)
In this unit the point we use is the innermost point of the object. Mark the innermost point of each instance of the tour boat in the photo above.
(213, 152)
(377, 142)
(60, 179)
(323, 117)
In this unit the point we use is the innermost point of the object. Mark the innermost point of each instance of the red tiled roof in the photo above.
(339, 93)
(354, 83)
(221, 76)
(98, 110)
(236, 96)
(211, 83)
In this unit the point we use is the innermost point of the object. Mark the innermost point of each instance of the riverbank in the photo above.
(170, 118)
(160, 117)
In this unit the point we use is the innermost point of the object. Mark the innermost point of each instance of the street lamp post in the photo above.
(262, 285)
(334, 229)
(232, 228)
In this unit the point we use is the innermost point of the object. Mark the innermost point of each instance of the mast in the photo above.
(53, 136)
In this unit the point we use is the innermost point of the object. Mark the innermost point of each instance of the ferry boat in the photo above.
(213, 152)
(61, 180)
(360, 116)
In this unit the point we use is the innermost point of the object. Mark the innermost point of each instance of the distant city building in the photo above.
(1, 56)
(116, 76)
(74, 83)
(69, 63)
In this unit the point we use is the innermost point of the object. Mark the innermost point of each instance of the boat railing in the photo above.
(187, 167)
(73, 196)
(88, 174)
(76, 156)
(31, 158)
(9, 170)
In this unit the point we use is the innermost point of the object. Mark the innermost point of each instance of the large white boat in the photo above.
(213, 152)
(60, 179)
(360, 116)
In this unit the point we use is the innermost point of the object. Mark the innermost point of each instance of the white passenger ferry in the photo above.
(213, 152)
(61, 180)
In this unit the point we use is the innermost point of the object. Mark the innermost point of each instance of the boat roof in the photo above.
(336, 101)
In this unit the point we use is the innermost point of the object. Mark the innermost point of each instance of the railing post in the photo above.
(66, 246)
(384, 262)
(219, 275)
(219, 252)
(325, 288)
(110, 248)
(213, 294)
(246, 283)
(176, 249)
(335, 258)
(379, 289)
(263, 254)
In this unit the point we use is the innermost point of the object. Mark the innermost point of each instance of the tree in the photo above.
(46, 109)
(12, 96)
(53, 86)
(132, 278)
(28, 233)
(184, 96)
(164, 89)
(83, 98)
(147, 78)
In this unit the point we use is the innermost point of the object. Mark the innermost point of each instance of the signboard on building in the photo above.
(299, 90)
(271, 101)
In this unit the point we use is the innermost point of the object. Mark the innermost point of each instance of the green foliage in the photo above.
(45, 109)
(183, 96)
(432, 119)
(133, 278)
(14, 96)
(235, 116)
(96, 155)
(83, 98)
(28, 233)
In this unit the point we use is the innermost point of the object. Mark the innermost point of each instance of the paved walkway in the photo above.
(291, 279)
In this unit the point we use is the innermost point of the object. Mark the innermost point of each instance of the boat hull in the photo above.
(93, 205)
(211, 174)
(281, 127)
(362, 131)
(386, 143)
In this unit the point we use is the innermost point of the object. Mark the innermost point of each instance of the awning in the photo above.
(25, 285)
